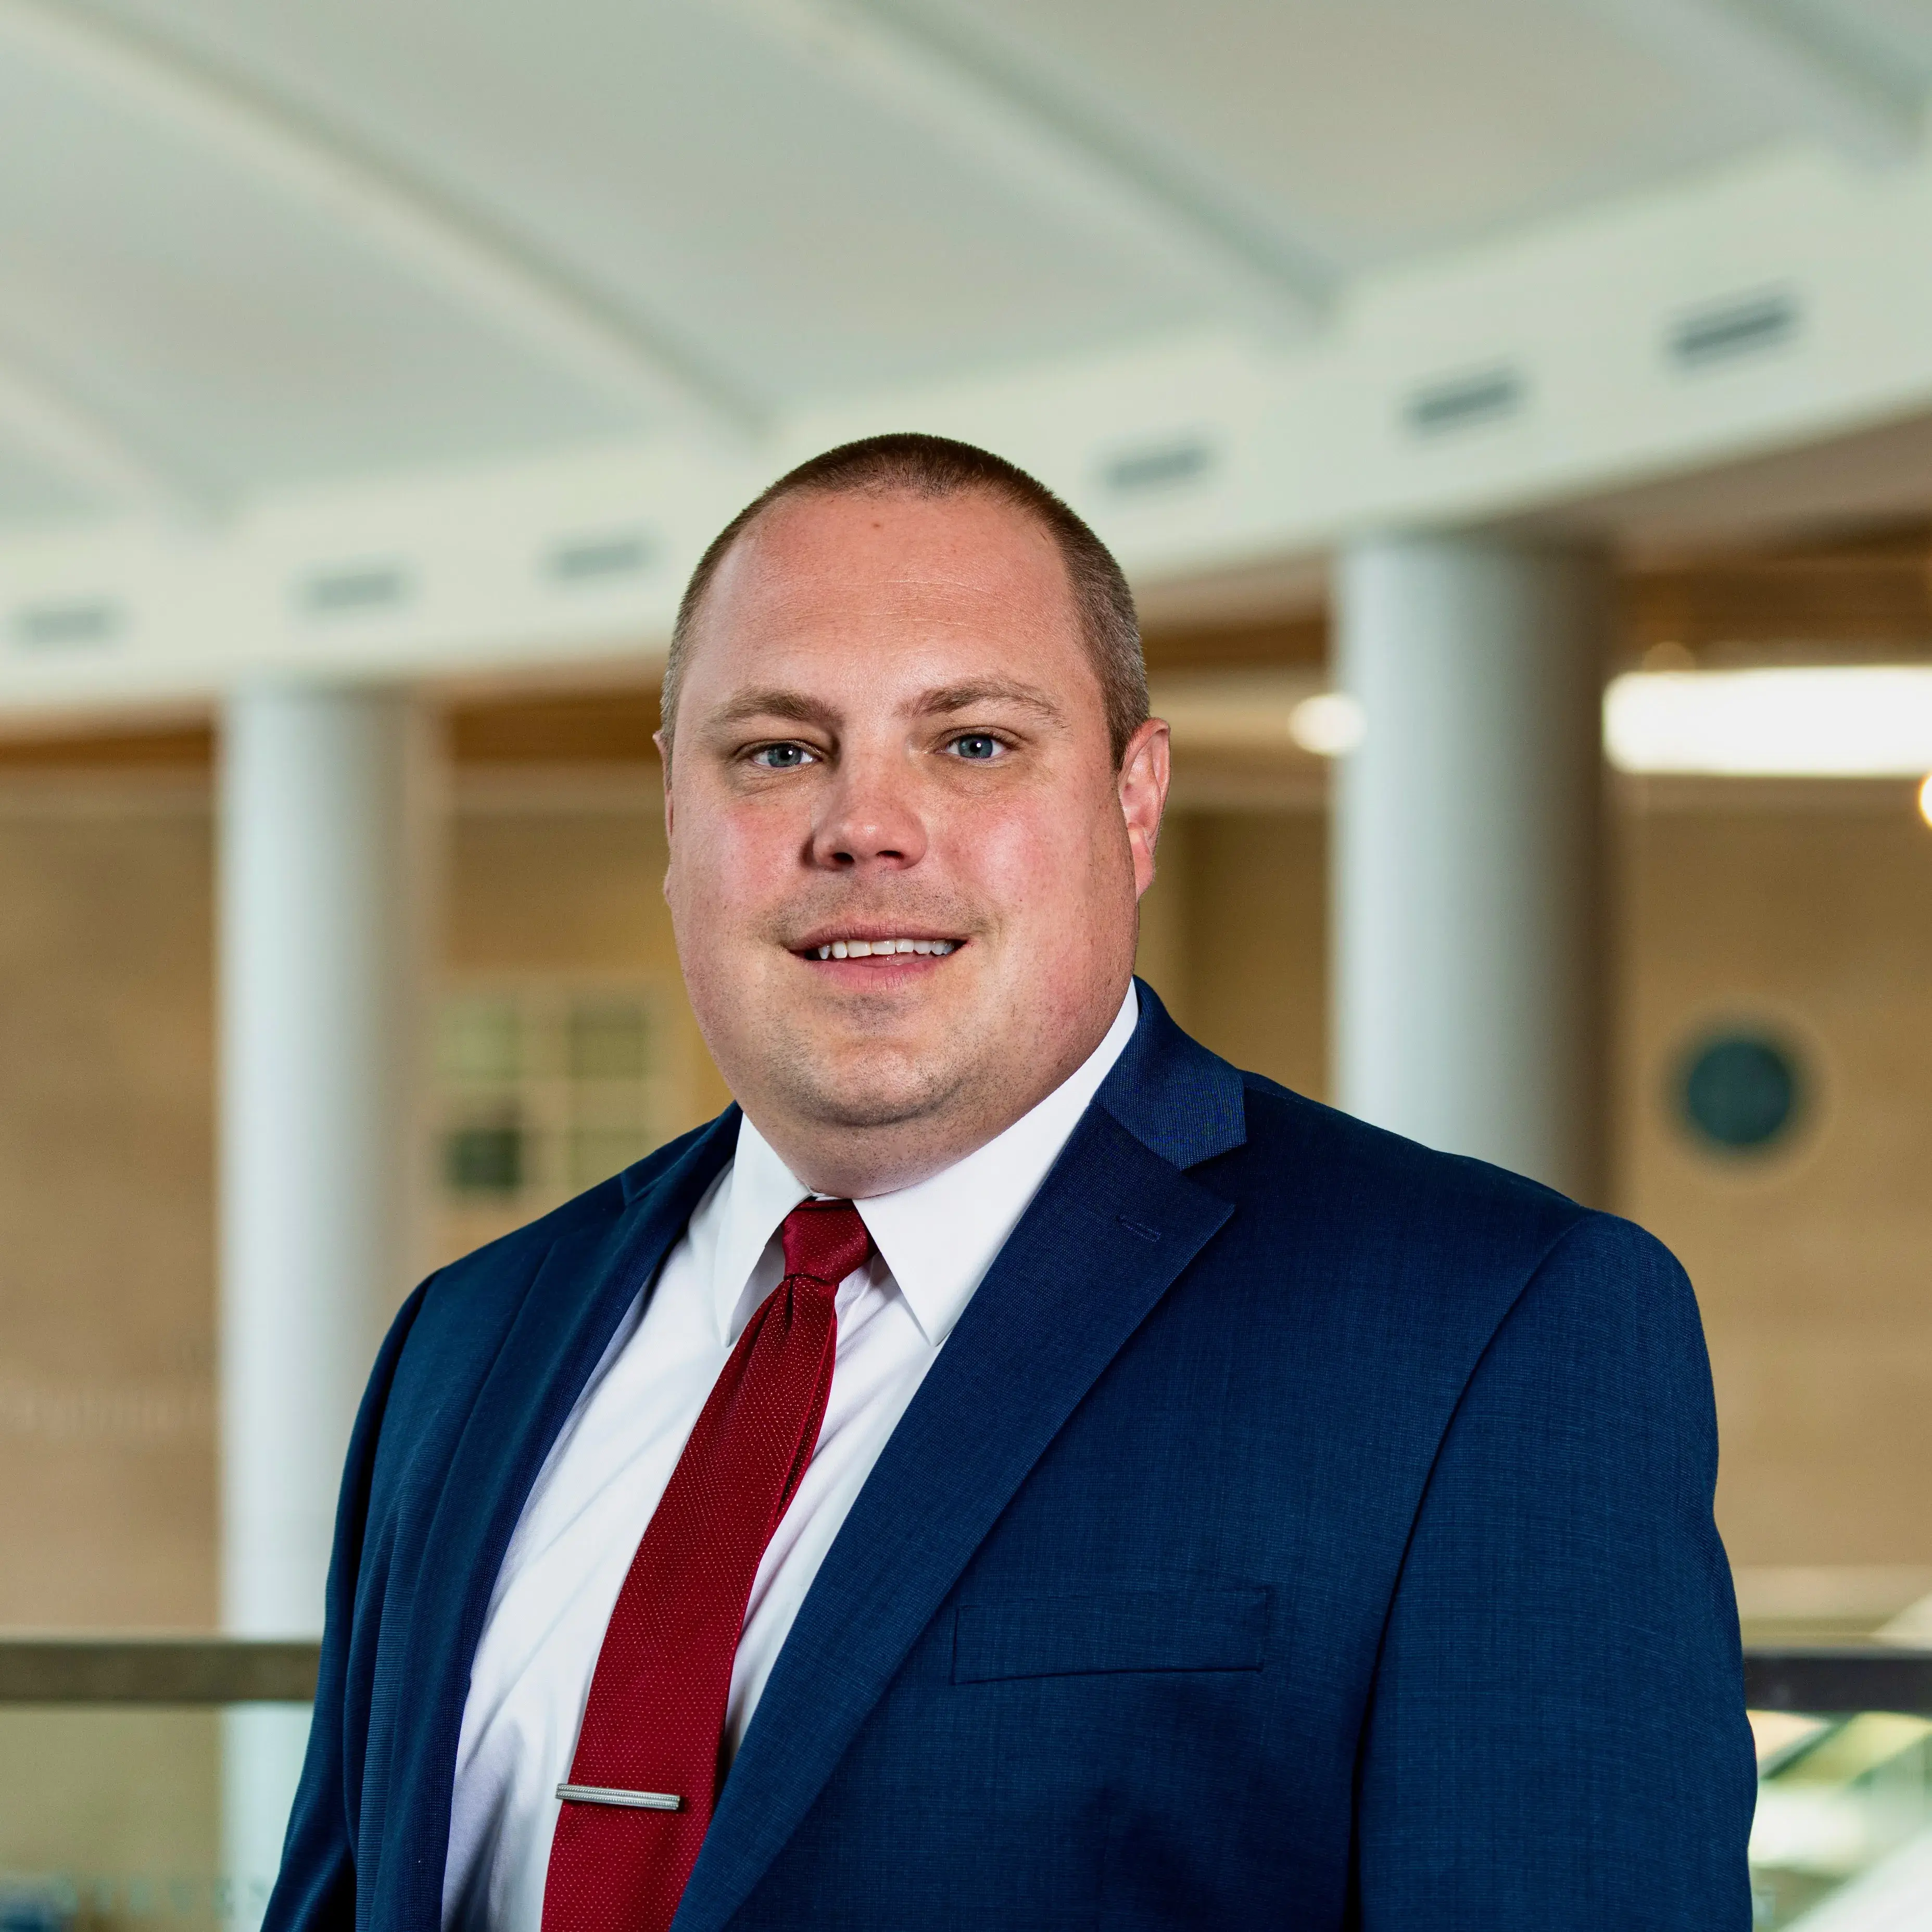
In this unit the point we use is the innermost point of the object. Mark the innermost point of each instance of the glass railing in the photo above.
(1842, 1841)
(144, 1783)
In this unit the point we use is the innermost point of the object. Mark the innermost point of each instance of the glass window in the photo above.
(609, 1039)
(546, 1087)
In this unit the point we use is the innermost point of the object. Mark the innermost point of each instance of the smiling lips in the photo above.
(874, 949)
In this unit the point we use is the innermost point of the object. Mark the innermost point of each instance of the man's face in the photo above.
(904, 867)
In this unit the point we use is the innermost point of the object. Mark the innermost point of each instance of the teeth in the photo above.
(867, 949)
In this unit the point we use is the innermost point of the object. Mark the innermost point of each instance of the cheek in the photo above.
(1054, 865)
(727, 862)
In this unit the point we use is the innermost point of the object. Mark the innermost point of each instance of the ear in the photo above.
(1142, 785)
(664, 754)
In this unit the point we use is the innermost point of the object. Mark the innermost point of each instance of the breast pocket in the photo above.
(1140, 1630)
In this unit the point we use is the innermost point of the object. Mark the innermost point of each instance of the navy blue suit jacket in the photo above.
(1300, 1528)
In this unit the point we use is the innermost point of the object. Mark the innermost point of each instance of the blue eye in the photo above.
(980, 745)
(781, 757)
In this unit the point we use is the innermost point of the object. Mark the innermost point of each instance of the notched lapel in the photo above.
(1113, 1226)
(577, 1296)
(1175, 1098)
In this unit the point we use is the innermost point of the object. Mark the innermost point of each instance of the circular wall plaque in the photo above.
(1740, 1091)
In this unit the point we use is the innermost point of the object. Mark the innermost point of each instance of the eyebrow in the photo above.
(774, 703)
(942, 701)
(951, 698)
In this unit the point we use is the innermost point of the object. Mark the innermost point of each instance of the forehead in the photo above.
(859, 580)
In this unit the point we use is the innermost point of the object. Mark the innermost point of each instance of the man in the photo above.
(1019, 1471)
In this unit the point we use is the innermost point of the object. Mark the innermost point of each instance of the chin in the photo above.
(873, 1089)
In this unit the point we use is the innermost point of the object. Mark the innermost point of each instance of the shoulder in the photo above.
(1432, 1251)
(1407, 1296)
(1365, 1184)
(1308, 1174)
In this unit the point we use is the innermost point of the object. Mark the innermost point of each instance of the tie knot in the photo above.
(824, 1241)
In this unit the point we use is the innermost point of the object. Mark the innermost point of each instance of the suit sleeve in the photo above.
(315, 1890)
(1557, 1733)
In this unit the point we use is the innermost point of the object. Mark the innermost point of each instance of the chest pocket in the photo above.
(1141, 1629)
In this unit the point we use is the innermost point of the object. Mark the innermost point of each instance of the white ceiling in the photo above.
(249, 243)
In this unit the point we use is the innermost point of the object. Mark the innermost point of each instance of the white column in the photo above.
(1464, 877)
(321, 920)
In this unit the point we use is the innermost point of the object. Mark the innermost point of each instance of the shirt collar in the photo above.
(939, 1236)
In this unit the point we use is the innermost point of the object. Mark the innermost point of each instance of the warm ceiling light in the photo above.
(1329, 725)
(1857, 720)
(1925, 801)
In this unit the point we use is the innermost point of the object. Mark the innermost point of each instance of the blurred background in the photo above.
(1515, 417)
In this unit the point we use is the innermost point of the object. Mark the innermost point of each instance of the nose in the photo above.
(868, 819)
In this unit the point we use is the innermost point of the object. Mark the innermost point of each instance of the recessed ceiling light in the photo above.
(63, 626)
(1157, 466)
(609, 554)
(354, 590)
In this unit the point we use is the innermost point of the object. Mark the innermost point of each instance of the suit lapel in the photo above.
(576, 1298)
(1112, 1227)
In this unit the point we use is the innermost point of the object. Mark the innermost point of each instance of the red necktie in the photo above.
(648, 1757)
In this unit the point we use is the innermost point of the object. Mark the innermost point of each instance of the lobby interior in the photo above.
(1516, 419)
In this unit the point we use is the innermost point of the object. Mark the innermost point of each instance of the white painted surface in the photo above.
(1814, 76)
(320, 910)
(1464, 875)
(323, 912)
(1007, 124)
(1301, 445)
(50, 426)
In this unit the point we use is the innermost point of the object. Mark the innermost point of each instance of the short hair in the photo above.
(935, 467)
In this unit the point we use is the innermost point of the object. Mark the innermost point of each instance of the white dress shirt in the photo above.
(610, 1464)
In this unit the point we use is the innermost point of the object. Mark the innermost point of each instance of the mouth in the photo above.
(877, 946)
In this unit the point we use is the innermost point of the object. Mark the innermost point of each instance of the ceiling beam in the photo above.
(87, 451)
(1761, 50)
(1008, 124)
(494, 277)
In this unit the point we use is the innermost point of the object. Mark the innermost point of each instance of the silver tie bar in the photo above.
(634, 1800)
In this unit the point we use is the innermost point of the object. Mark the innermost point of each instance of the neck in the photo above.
(854, 1163)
